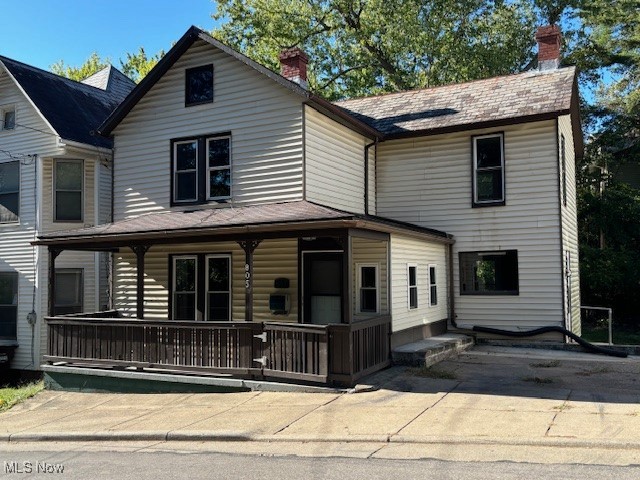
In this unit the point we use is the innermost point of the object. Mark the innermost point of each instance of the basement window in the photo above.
(489, 273)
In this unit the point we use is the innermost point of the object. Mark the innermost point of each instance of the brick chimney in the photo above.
(549, 39)
(293, 65)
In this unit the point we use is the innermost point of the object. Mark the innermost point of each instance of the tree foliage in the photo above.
(138, 65)
(92, 65)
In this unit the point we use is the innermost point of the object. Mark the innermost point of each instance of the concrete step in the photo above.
(432, 350)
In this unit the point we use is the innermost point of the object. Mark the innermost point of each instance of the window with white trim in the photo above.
(8, 305)
(201, 169)
(7, 118)
(412, 286)
(69, 291)
(218, 288)
(433, 286)
(368, 288)
(68, 180)
(488, 170)
(9, 192)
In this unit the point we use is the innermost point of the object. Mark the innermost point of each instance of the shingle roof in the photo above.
(511, 97)
(215, 220)
(73, 109)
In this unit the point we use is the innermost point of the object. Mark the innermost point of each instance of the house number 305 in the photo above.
(247, 276)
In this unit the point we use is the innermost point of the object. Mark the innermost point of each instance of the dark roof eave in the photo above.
(341, 116)
(477, 125)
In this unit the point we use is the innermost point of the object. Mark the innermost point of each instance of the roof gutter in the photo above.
(63, 142)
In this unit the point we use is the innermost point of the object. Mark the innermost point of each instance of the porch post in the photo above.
(248, 246)
(53, 254)
(347, 282)
(140, 251)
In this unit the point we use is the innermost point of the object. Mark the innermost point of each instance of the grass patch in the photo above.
(538, 380)
(620, 337)
(430, 372)
(10, 396)
(549, 364)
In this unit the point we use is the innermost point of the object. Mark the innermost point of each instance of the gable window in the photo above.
(9, 192)
(489, 273)
(8, 117)
(201, 169)
(433, 286)
(198, 85)
(368, 291)
(488, 170)
(412, 286)
(201, 287)
(8, 304)
(69, 291)
(68, 178)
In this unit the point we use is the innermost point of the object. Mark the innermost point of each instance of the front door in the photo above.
(322, 287)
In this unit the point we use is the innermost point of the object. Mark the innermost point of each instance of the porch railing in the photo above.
(338, 353)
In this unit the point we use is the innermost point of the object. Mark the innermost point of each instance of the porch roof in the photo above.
(211, 224)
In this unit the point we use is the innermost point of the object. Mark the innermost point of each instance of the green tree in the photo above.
(92, 65)
(360, 47)
(138, 64)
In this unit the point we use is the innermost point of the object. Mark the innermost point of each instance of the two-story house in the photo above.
(260, 230)
(54, 175)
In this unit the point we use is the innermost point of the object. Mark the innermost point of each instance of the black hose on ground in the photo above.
(538, 331)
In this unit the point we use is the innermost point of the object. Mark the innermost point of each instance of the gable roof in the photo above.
(112, 81)
(73, 109)
(494, 101)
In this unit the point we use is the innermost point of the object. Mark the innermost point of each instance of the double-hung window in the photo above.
(201, 169)
(489, 273)
(8, 304)
(433, 286)
(69, 291)
(9, 192)
(201, 287)
(488, 170)
(68, 181)
(412, 286)
(368, 289)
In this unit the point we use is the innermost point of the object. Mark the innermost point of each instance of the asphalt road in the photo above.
(197, 465)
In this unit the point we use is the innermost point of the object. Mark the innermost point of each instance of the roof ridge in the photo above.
(436, 87)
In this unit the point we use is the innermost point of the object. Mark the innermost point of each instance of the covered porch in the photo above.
(302, 295)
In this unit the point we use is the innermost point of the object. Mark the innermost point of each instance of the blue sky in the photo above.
(42, 32)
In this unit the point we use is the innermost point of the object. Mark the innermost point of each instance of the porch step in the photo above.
(432, 350)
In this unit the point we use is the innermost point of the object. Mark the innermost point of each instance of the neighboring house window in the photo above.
(68, 182)
(563, 157)
(218, 288)
(198, 85)
(8, 304)
(201, 169)
(9, 192)
(367, 285)
(488, 170)
(489, 273)
(8, 117)
(185, 272)
(201, 282)
(433, 288)
(412, 286)
(69, 291)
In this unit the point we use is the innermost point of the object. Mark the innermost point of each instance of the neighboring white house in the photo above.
(55, 174)
(240, 195)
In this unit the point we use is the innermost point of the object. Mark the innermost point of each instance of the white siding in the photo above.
(334, 163)
(272, 259)
(411, 251)
(265, 121)
(570, 223)
(427, 181)
(370, 252)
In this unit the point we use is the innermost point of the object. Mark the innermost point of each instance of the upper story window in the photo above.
(7, 118)
(198, 85)
(201, 169)
(488, 170)
(68, 180)
(9, 192)
(489, 273)
(8, 304)
(367, 281)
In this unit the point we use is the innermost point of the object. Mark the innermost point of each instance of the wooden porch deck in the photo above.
(337, 354)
